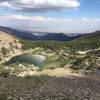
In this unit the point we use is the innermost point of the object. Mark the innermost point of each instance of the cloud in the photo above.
(5, 4)
(40, 5)
(40, 23)
(3, 0)
(18, 17)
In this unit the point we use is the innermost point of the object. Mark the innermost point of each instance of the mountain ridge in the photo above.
(31, 36)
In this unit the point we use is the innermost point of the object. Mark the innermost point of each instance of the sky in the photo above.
(68, 16)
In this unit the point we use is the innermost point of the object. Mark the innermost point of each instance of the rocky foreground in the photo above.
(46, 87)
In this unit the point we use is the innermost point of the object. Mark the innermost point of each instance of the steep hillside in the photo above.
(9, 46)
(6, 39)
(17, 33)
(88, 41)
(90, 36)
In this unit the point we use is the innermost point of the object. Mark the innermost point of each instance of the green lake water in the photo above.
(37, 60)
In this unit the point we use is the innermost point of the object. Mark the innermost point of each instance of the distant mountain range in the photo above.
(39, 35)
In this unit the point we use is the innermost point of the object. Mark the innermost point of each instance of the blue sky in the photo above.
(51, 15)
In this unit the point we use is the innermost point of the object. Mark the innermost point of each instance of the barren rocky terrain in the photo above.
(51, 87)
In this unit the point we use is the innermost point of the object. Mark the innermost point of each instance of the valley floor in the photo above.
(58, 84)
